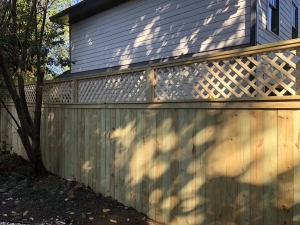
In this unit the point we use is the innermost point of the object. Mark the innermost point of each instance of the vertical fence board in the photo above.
(139, 159)
(231, 135)
(122, 156)
(218, 154)
(257, 166)
(270, 167)
(182, 166)
(102, 154)
(98, 151)
(82, 144)
(132, 157)
(107, 160)
(60, 140)
(244, 161)
(128, 124)
(166, 155)
(285, 167)
(55, 136)
(200, 160)
(113, 151)
(118, 154)
(149, 175)
(210, 135)
(190, 165)
(296, 157)
(93, 148)
(158, 165)
(174, 169)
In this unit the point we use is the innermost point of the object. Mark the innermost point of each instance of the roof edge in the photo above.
(84, 10)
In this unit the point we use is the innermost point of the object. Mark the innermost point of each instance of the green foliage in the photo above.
(54, 49)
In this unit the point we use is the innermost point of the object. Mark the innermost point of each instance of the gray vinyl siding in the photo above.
(285, 26)
(144, 30)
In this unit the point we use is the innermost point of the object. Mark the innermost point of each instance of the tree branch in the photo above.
(11, 115)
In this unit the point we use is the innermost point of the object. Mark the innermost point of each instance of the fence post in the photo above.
(75, 90)
(150, 84)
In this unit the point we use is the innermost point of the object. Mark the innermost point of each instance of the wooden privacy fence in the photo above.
(203, 161)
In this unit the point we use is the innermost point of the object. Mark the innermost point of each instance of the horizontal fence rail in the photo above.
(259, 71)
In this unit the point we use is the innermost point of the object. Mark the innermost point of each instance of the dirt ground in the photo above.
(53, 200)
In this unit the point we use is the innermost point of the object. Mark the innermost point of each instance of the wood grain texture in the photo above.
(182, 166)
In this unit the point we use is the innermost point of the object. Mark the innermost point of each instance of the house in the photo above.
(111, 35)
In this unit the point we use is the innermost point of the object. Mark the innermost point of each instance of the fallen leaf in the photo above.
(4, 214)
(71, 192)
(31, 218)
(77, 186)
(105, 210)
(125, 207)
(127, 219)
(71, 213)
(9, 199)
(91, 219)
(13, 212)
(89, 213)
(26, 212)
(144, 218)
(59, 223)
(83, 215)
(113, 221)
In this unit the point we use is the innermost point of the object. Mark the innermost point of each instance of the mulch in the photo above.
(50, 199)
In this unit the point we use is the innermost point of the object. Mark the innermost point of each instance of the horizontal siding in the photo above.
(285, 29)
(146, 30)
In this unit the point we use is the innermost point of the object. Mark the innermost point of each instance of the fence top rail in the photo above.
(270, 103)
(287, 44)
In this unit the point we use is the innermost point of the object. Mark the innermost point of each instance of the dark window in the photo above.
(273, 16)
(294, 18)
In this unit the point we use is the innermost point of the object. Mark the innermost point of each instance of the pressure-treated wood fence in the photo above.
(193, 141)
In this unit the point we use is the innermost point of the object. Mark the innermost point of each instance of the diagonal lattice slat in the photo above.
(115, 88)
(264, 74)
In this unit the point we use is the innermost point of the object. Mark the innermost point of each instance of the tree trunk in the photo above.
(34, 154)
(39, 167)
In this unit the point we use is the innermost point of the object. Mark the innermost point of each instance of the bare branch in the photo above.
(11, 115)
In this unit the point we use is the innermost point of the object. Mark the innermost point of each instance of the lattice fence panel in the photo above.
(58, 92)
(30, 92)
(266, 74)
(116, 88)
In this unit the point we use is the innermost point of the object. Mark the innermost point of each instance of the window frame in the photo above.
(273, 16)
(294, 19)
